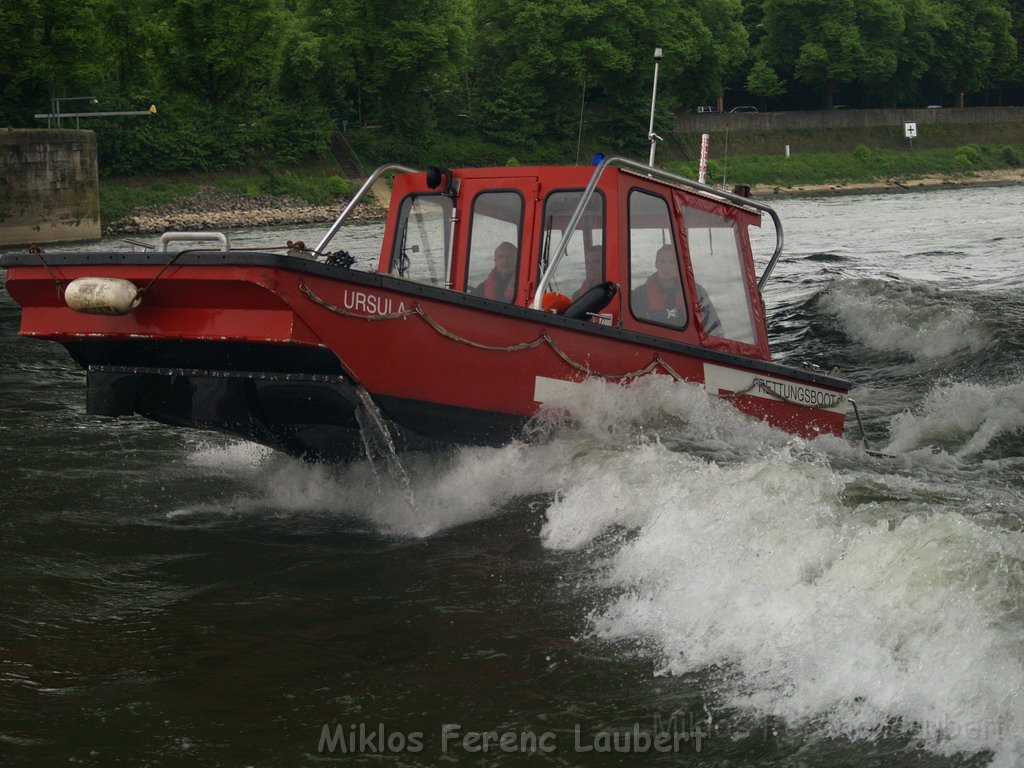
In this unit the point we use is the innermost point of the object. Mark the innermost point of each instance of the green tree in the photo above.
(763, 82)
(831, 43)
(915, 55)
(974, 45)
(219, 64)
(391, 64)
(47, 48)
(533, 57)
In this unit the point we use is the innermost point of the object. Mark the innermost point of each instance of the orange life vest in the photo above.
(658, 300)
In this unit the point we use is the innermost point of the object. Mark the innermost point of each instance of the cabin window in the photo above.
(582, 265)
(494, 238)
(716, 257)
(656, 286)
(422, 250)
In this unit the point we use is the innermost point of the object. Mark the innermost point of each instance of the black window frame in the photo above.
(449, 236)
(604, 228)
(629, 260)
(469, 238)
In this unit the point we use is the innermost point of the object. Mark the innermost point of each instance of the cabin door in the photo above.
(495, 252)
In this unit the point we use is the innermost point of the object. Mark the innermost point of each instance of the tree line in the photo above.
(239, 82)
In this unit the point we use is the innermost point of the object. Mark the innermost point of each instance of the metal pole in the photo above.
(651, 135)
(356, 199)
(583, 104)
(702, 168)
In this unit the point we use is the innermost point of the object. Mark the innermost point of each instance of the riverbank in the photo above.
(210, 208)
(980, 179)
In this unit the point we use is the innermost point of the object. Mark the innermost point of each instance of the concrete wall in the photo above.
(49, 190)
(841, 130)
(844, 118)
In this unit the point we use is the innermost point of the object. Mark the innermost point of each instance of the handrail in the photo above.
(663, 175)
(356, 199)
(194, 237)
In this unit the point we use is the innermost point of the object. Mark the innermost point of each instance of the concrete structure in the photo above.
(843, 118)
(840, 130)
(49, 189)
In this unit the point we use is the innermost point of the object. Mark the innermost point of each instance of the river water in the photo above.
(660, 575)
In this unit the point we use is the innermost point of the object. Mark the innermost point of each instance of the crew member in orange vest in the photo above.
(661, 298)
(501, 282)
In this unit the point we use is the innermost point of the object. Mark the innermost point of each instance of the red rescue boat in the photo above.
(495, 288)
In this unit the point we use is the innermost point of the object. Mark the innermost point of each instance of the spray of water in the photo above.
(841, 595)
(914, 319)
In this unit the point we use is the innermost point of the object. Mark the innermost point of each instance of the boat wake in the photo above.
(799, 580)
(913, 319)
(962, 419)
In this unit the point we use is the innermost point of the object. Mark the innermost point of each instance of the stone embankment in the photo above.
(979, 179)
(211, 209)
(215, 210)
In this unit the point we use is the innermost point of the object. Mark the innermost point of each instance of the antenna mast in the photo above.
(651, 135)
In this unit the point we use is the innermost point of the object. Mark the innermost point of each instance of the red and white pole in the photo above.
(702, 173)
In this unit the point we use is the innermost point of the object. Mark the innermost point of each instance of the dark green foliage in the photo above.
(1013, 156)
(967, 157)
(536, 60)
(863, 154)
(764, 82)
(239, 83)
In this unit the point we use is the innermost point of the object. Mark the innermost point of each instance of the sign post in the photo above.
(910, 131)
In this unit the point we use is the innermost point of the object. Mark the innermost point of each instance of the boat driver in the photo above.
(501, 282)
(661, 298)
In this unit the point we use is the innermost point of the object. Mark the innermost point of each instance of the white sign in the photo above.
(719, 380)
(910, 130)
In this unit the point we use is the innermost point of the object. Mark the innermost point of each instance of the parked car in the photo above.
(934, 106)
(705, 110)
(746, 108)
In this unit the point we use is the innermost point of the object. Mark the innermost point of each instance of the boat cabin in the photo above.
(543, 236)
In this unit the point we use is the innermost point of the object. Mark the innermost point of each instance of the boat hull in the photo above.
(277, 349)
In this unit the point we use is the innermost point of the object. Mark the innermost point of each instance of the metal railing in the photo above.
(656, 173)
(356, 199)
(194, 237)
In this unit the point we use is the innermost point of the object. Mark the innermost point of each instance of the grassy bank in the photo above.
(119, 197)
(686, 146)
(317, 186)
(862, 165)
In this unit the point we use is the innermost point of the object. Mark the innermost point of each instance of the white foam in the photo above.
(739, 550)
(820, 615)
(469, 484)
(230, 456)
(915, 320)
(444, 489)
(964, 418)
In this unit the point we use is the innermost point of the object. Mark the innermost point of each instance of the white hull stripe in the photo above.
(722, 381)
(546, 390)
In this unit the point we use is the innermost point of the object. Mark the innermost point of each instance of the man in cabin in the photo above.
(661, 298)
(593, 259)
(500, 284)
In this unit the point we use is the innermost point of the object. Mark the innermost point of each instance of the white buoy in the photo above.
(102, 296)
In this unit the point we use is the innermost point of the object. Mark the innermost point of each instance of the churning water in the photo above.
(656, 565)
